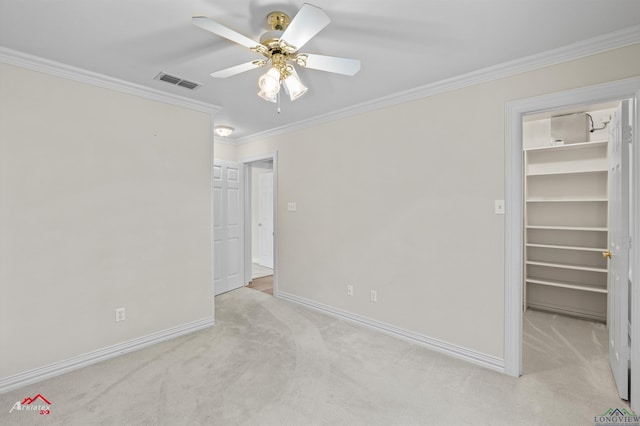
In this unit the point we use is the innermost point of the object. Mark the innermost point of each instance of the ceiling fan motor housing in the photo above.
(278, 22)
(270, 39)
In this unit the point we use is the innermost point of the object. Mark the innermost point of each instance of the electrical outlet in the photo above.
(120, 314)
(374, 296)
(349, 290)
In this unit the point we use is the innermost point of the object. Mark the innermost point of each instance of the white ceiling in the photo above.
(402, 44)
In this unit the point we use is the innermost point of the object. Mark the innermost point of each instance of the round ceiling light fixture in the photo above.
(223, 131)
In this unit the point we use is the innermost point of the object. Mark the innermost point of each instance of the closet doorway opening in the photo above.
(515, 175)
(576, 214)
(260, 224)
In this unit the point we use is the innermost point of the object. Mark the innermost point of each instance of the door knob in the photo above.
(606, 254)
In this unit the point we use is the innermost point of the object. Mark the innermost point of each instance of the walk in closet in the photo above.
(566, 204)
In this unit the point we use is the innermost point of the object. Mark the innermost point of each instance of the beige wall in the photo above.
(225, 151)
(104, 203)
(401, 200)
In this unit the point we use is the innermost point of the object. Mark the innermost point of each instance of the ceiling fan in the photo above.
(280, 47)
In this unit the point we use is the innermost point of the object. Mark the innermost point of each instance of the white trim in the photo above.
(248, 244)
(247, 216)
(42, 373)
(634, 260)
(58, 69)
(437, 345)
(513, 242)
(614, 40)
(276, 227)
(212, 222)
(514, 112)
(223, 141)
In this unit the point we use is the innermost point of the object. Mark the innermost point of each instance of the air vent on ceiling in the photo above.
(177, 81)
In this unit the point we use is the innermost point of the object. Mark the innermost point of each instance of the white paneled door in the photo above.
(265, 219)
(618, 248)
(227, 226)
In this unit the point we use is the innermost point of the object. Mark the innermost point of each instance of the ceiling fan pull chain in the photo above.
(278, 98)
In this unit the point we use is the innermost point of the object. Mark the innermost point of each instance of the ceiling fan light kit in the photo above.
(270, 81)
(293, 85)
(280, 47)
(271, 97)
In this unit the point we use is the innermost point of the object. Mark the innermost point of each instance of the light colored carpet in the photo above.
(269, 362)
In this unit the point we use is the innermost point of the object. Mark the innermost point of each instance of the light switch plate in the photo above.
(292, 206)
(499, 206)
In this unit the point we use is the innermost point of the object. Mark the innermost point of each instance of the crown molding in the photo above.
(35, 63)
(614, 40)
(223, 141)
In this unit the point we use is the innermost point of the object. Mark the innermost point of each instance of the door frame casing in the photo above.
(273, 156)
(514, 219)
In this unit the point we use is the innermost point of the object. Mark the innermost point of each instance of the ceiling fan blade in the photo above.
(228, 72)
(307, 23)
(219, 29)
(333, 64)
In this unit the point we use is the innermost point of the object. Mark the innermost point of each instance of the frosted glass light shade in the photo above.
(294, 86)
(270, 82)
(271, 97)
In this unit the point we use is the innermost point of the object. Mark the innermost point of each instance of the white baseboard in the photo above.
(42, 373)
(474, 357)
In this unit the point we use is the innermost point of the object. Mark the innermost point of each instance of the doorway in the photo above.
(514, 215)
(570, 218)
(565, 156)
(260, 223)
